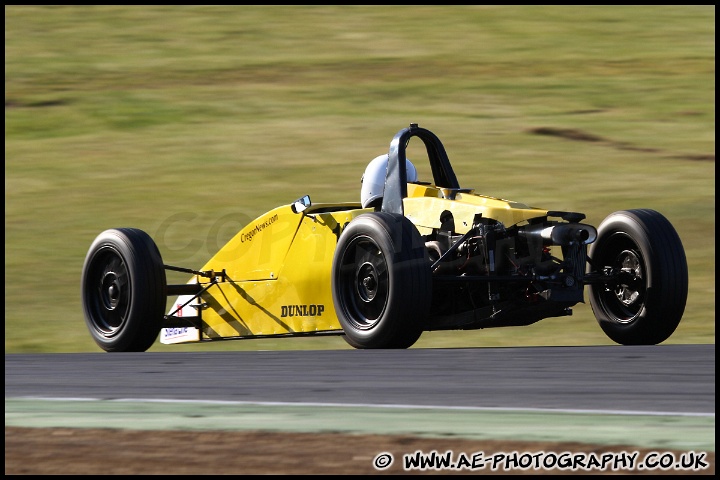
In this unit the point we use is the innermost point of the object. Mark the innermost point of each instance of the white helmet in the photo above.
(373, 180)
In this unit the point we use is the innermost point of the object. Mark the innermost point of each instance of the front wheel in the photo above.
(645, 301)
(124, 290)
(381, 281)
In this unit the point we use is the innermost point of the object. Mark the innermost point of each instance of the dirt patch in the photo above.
(67, 451)
(580, 136)
(567, 133)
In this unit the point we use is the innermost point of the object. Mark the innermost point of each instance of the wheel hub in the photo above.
(630, 274)
(367, 282)
(110, 291)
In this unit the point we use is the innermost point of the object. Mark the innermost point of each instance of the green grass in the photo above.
(202, 118)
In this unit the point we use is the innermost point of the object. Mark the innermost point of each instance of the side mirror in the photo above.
(301, 204)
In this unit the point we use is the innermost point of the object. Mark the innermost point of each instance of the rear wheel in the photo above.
(381, 281)
(646, 301)
(124, 290)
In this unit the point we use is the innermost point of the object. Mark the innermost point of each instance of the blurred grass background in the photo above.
(188, 122)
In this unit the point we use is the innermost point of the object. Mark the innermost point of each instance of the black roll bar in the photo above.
(396, 177)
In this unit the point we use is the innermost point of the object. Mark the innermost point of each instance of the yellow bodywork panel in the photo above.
(258, 251)
(278, 275)
(424, 204)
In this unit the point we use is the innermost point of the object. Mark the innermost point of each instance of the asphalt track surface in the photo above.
(652, 396)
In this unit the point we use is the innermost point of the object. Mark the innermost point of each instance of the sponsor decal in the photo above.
(179, 335)
(174, 332)
(258, 228)
(311, 310)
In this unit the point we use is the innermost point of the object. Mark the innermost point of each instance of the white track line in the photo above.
(378, 406)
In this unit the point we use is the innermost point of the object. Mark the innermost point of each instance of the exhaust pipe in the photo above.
(564, 233)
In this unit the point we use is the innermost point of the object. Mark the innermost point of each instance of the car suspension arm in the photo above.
(193, 288)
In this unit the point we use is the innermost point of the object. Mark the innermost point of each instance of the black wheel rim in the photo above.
(624, 298)
(363, 282)
(107, 292)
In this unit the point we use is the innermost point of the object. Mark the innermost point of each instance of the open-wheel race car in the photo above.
(409, 257)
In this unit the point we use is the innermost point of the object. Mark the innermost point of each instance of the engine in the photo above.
(492, 269)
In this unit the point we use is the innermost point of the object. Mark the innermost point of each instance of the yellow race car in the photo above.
(409, 257)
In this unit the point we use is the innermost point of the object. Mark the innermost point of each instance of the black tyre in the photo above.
(644, 306)
(124, 290)
(381, 282)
